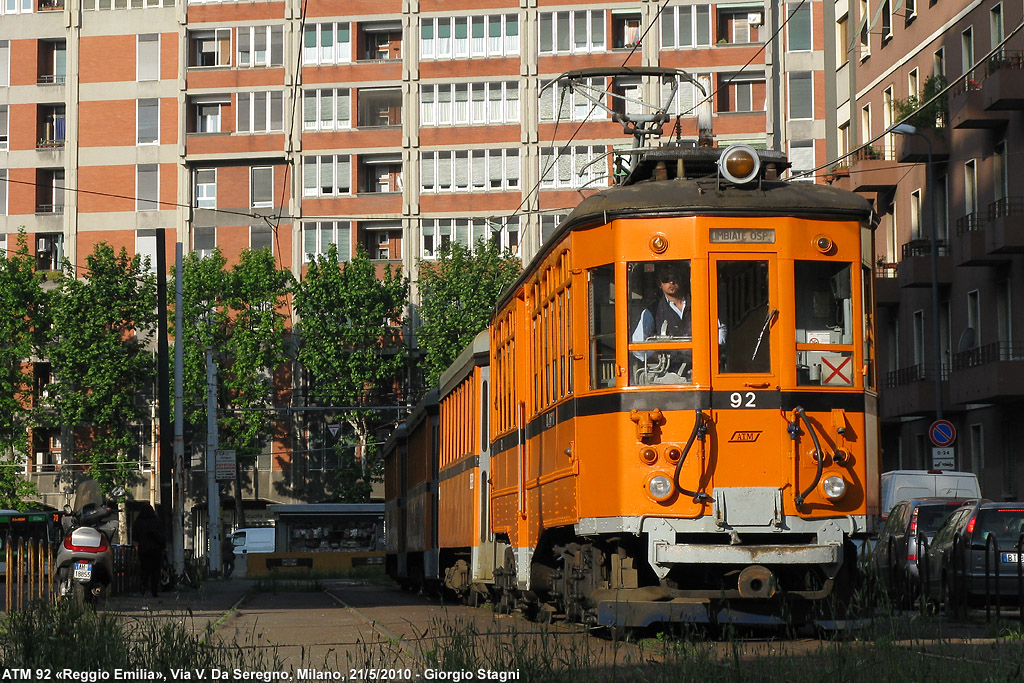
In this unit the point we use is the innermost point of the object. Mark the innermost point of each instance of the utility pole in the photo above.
(212, 487)
(178, 489)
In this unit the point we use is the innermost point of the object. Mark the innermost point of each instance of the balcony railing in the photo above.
(1007, 206)
(914, 373)
(51, 79)
(875, 153)
(50, 144)
(989, 353)
(969, 223)
(50, 209)
(923, 247)
(1007, 59)
(885, 270)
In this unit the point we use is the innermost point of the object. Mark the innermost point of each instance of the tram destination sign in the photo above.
(742, 236)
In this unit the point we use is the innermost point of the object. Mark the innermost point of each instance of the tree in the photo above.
(457, 297)
(102, 325)
(350, 342)
(22, 335)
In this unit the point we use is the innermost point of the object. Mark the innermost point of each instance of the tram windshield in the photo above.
(661, 340)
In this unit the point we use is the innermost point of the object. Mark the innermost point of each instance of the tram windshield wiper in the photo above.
(764, 328)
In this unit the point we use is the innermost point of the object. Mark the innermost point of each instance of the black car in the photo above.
(956, 571)
(894, 559)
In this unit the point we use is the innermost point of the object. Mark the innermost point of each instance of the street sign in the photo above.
(225, 465)
(333, 429)
(942, 459)
(942, 433)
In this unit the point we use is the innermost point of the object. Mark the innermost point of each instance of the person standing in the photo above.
(227, 555)
(150, 540)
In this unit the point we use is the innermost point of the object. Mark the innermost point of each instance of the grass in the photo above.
(47, 635)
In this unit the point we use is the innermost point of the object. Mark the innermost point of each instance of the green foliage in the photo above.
(931, 116)
(458, 294)
(102, 325)
(22, 325)
(350, 342)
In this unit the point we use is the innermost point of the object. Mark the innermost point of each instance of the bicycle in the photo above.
(189, 576)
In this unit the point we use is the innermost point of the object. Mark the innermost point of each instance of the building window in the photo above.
(327, 44)
(493, 35)
(967, 52)
(572, 32)
(49, 251)
(317, 237)
(260, 46)
(50, 190)
(381, 42)
(261, 237)
(379, 107)
(469, 103)
(3, 191)
(382, 239)
(16, 7)
(380, 173)
(563, 104)
(995, 23)
(573, 167)
(210, 48)
(799, 28)
(974, 316)
(261, 184)
(326, 175)
(326, 109)
(970, 187)
(475, 170)
(206, 188)
(626, 29)
(687, 96)
(3, 126)
(147, 187)
(207, 115)
(865, 33)
(740, 95)
(910, 11)
(204, 241)
(801, 156)
(738, 26)
(843, 40)
(886, 21)
(260, 112)
(1000, 171)
(686, 26)
(5, 63)
(148, 53)
(865, 124)
(801, 95)
(468, 232)
(148, 124)
(915, 214)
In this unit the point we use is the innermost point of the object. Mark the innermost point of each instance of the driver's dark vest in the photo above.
(667, 322)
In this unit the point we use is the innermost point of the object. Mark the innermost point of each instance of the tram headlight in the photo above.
(834, 487)
(659, 487)
(739, 164)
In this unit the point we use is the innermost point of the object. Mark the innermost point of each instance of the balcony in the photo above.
(1005, 231)
(968, 106)
(1004, 81)
(874, 169)
(911, 391)
(990, 373)
(969, 246)
(915, 268)
(887, 290)
(912, 149)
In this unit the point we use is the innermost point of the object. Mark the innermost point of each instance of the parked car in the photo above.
(894, 559)
(956, 556)
(898, 485)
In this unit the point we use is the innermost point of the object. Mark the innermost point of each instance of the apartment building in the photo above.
(398, 125)
(966, 357)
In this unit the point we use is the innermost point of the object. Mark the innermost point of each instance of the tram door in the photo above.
(745, 348)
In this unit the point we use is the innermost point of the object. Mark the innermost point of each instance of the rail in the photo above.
(923, 247)
(1007, 206)
(914, 373)
(969, 223)
(993, 352)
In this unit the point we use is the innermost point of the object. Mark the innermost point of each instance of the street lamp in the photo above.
(906, 129)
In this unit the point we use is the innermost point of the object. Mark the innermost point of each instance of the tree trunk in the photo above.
(239, 510)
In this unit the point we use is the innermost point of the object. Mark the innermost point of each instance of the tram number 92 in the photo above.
(740, 399)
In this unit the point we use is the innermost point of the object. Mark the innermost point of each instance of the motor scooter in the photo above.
(84, 566)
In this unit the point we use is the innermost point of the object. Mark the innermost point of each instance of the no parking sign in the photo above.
(942, 433)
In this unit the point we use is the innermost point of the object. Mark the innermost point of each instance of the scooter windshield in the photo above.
(88, 492)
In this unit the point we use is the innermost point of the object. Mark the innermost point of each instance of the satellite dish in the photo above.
(966, 342)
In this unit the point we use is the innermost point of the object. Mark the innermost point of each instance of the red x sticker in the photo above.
(837, 365)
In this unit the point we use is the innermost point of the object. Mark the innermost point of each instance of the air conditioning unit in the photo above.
(754, 18)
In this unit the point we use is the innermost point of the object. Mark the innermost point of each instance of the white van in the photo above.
(253, 540)
(899, 485)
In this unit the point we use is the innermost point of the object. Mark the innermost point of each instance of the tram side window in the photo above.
(660, 350)
(824, 318)
(602, 326)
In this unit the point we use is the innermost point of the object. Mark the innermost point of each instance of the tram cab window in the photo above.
(602, 326)
(745, 317)
(824, 319)
(660, 323)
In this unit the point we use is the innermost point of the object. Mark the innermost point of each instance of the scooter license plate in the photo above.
(1009, 557)
(83, 570)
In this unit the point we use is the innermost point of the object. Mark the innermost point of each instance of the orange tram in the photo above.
(672, 416)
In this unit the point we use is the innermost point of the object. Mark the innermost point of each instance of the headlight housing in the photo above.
(739, 164)
(833, 487)
(660, 488)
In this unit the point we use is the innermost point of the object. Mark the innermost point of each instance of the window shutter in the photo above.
(244, 122)
(427, 171)
(309, 181)
(344, 180)
(148, 123)
(344, 241)
(308, 241)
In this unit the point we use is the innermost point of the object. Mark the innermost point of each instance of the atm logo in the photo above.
(744, 437)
